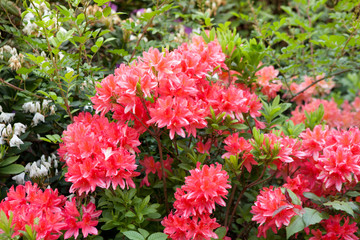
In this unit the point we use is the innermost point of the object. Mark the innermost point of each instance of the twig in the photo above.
(19, 89)
(163, 174)
(242, 193)
(319, 80)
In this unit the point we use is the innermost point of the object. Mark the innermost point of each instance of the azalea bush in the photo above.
(120, 126)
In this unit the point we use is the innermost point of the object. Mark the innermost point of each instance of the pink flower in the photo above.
(266, 78)
(273, 210)
(52, 212)
(179, 227)
(195, 201)
(236, 145)
(205, 187)
(99, 153)
(338, 167)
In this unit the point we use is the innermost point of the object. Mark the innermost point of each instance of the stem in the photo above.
(231, 199)
(53, 59)
(242, 193)
(163, 173)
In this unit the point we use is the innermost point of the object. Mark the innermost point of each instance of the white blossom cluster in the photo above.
(8, 133)
(30, 27)
(39, 169)
(38, 109)
(15, 59)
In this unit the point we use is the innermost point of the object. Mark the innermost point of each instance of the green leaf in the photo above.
(12, 169)
(220, 232)
(295, 199)
(132, 235)
(107, 11)
(296, 225)
(158, 236)
(143, 232)
(340, 205)
(8, 161)
(350, 193)
(312, 196)
(312, 216)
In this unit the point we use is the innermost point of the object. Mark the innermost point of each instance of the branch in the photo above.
(319, 80)
(19, 89)
(256, 182)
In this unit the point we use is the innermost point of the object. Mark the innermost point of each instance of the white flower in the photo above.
(43, 171)
(19, 128)
(45, 103)
(132, 38)
(7, 131)
(0, 108)
(69, 69)
(38, 117)
(15, 141)
(6, 117)
(55, 163)
(46, 165)
(19, 178)
(2, 126)
(27, 167)
(61, 55)
(38, 107)
(31, 107)
(34, 170)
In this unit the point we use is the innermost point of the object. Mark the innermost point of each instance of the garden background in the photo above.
(193, 119)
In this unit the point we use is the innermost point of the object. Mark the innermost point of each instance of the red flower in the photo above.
(334, 230)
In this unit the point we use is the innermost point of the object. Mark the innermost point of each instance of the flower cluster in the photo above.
(334, 230)
(320, 88)
(195, 202)
(99, 153)
(173, 90)
(333, 159)
(39, 109)
(15, 60)
(266, 79)
(48, 213)
(8, 133)
(273, 209)
(238, 146)
(345, 116)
